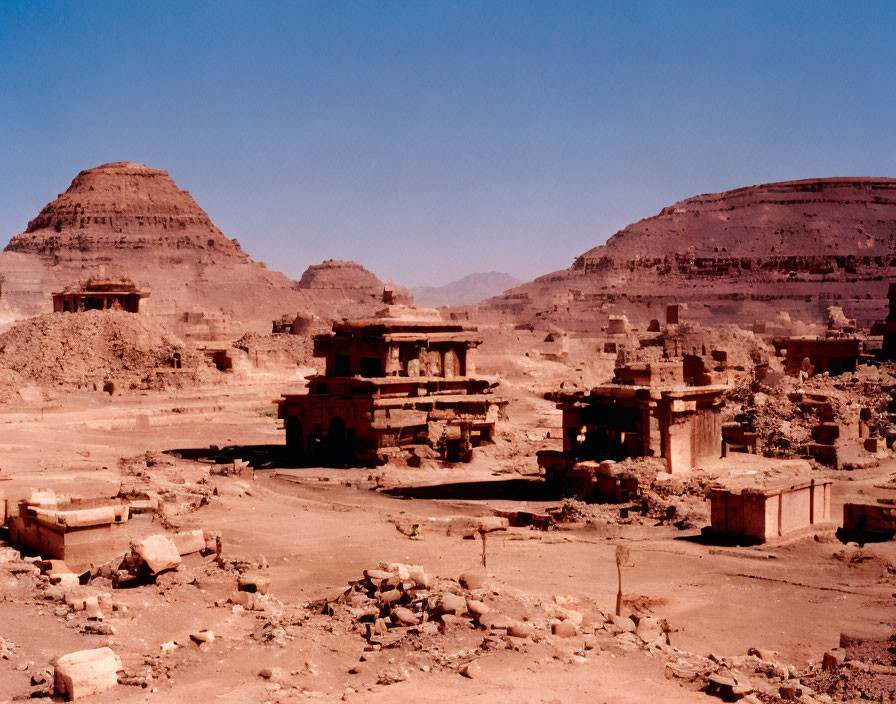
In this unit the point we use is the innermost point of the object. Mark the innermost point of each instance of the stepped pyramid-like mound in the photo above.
(122, 206)
(126, 219)
(336, 274)
(739, 256)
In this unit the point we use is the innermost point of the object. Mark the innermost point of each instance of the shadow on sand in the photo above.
(496, 490)
(257, 456)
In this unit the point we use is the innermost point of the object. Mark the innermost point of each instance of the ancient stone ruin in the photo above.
(99, 294)
(666, 473)
(399, 381)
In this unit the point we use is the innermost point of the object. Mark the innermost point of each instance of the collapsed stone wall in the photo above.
(90, 350)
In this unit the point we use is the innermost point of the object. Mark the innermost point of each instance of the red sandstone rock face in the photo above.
(741, 256)
(122, 206)
(829, 216)
(125, 219)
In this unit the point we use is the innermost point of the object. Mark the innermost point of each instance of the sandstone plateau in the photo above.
(737, 256)
(128, 219)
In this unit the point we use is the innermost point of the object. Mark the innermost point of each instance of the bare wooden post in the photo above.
(483, 533)
(622, 560)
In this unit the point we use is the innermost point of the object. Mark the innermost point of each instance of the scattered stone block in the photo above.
(203, 636)
(92, 609)
(477, 608)
(254, 582)
(564, 629)
(158, 553)
(648, 629)
(48, 567)
(452, 603)
(12, 555)
(494, 622)
(833, 659)
(377, 576)
(405, 616)
(472, 580)
(520, 630)
(789, 692)
(624, 624)
(271, 673)
(390, 597)
(86, 672)
(65, 580)
(452, 622)
(473, 670)
(189, 542)
(421, 579)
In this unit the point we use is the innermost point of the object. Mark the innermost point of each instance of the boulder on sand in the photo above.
(158, 553)
(86, 672)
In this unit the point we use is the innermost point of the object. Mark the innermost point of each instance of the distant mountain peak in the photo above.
(466, 291)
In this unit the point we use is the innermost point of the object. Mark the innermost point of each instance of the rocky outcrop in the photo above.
(810, 218)
(336, 274)
(126, 219)
(122, 206)
(739, 256)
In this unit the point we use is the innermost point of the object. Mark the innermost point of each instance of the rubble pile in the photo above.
(660, 498)
(399, 606)
(758, 676)
(784, 415)
(397, 601)
(860, 668)
(155, 483)
(281, 350)
(99, 350)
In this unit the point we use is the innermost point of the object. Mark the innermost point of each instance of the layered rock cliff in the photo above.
(737, 256)
(126, 219)
(122, 206)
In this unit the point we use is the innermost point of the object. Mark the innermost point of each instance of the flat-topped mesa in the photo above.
(122, 206)
(337, 274)
(808, 218)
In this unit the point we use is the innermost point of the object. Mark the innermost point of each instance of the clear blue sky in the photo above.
(431, 140)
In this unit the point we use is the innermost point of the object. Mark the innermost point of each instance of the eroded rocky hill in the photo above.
(737, 256)
(131, 220)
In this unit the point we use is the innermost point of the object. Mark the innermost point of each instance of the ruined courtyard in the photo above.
(251, 489)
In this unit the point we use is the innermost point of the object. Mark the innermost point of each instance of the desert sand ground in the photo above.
(320, 528)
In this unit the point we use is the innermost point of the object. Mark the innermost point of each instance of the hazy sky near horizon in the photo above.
(430, 140)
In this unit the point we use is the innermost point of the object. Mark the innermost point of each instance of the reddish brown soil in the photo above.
(320, 528)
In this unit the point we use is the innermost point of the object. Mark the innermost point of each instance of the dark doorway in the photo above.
(295, 440)
(371, 367)
(336, 444)
(342, 365)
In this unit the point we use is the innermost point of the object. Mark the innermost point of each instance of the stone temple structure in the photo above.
(393, 383)
(99, 294)
(649, 410)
